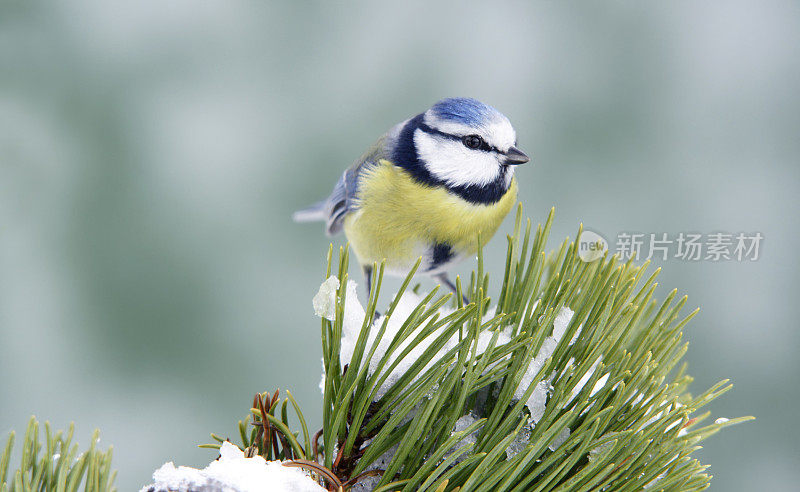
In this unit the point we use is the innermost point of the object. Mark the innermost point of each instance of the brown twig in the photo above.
(334, 484)
(316, 442)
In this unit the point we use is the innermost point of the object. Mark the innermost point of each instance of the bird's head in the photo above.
(466, 143)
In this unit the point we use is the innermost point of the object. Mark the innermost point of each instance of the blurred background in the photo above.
(151, 154)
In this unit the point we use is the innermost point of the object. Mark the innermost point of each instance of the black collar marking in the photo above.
(405, 155)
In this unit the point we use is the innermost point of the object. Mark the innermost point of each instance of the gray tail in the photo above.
(314, 213)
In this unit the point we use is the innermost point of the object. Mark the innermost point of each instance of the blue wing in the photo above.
(342, 200)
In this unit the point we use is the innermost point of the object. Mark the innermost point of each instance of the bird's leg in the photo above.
(367, 269)
(443, 279)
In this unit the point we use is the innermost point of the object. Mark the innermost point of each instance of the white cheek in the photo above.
(509, 175)
(455, 164)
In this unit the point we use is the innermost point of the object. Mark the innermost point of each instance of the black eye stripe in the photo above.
(485, 146)
(433, 131)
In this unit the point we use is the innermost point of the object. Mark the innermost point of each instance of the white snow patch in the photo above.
(536, 402)
(673, 424)
(322, 378)
(560, 439)
(324, 305)
(561, 323)
(654, 482)
(521, 441)
(232, 472)
(368, 484)
(461, 425)
(660, 414)
(601, 382)
(353, 320)
(405, 307)
(325, 301)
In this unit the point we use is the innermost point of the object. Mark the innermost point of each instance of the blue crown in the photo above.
(464, 110)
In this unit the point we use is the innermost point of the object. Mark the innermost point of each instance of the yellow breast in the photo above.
(399, 219)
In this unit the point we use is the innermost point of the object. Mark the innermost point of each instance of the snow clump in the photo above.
(232, 472)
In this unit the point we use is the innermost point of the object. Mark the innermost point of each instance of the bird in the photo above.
(428, 188)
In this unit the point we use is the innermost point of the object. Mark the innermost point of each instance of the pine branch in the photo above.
(571, 380)
(616, 415)
(55, 464)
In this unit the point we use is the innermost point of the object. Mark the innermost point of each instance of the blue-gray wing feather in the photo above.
(343, 199)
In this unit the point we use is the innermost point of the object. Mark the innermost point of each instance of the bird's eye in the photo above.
(472, 141)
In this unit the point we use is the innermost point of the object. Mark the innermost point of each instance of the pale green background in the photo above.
(151, 154)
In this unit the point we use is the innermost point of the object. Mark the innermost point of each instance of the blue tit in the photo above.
(429, 188)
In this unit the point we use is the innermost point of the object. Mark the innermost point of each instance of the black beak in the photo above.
(514, 156)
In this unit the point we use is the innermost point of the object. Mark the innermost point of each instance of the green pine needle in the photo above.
(55, 465)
